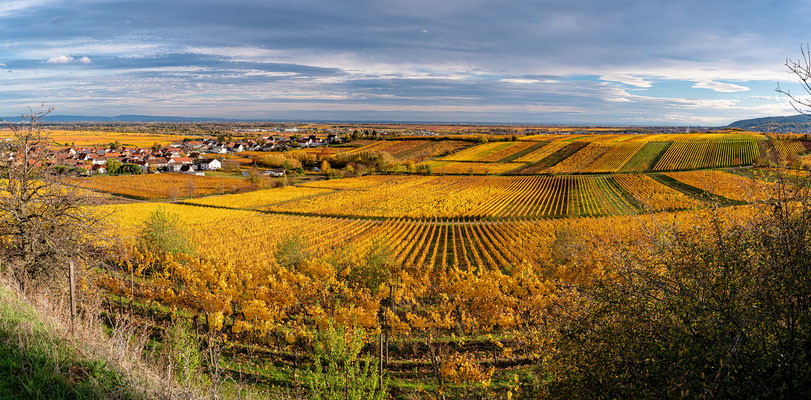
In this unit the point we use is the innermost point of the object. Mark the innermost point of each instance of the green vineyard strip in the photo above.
(552, 159)
(517, 155)
(631, 201)
(646, 157)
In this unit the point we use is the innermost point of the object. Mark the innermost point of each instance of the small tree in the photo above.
(162, 233)
(113, 166)
(376, 268)
(44, 222)
(325, 167)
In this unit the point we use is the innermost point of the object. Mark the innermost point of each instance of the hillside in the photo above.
(786, 124)
(36, 361)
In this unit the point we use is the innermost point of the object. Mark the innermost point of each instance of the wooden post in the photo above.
(72, 277)
(380, 363)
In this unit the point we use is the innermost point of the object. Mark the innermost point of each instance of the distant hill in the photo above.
(121, 118)
(793, 123)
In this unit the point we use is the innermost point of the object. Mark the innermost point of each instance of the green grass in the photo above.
(36, 362)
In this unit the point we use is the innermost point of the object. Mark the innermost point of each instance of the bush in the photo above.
(374, 269)
(339, 371)
(183, 352)
(291, 251)
(720, 310)
(162, 233)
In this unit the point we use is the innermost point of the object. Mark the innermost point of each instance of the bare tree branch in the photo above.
(44, 222)
(801, 68)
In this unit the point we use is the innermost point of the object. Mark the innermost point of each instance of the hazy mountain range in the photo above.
(792, 123)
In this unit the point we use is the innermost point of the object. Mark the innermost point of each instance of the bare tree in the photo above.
(44, 222)
(801, 68)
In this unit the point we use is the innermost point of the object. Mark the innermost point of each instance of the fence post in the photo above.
(72, 275)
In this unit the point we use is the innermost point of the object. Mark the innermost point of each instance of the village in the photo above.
(189, 156)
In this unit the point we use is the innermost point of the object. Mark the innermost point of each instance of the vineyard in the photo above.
(466, 285)
(590, 154)
(449, 271)
(446, 197)
(443, 245)
(470, 168)
(728, 185)
(682, 155)
(92, 138)
(162, 186)
(414, 150)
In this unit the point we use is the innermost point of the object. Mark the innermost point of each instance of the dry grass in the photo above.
(81, 357)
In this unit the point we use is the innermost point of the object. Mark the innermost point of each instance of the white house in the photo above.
(210, 165)
(274, 172)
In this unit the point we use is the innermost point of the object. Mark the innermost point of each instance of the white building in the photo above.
(210, 165)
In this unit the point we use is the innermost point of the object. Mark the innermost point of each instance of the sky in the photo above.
(549, 62)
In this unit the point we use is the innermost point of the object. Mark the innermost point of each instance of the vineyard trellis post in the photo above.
(72, 283)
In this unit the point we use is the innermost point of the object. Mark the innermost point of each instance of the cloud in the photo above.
(522, 60)
(60, 60)
(627, 79)
(720, 87)
(8, 8)
(519, 81)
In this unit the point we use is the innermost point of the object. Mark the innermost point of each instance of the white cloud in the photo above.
(519, 81)
(240, 53)
(60, 60)
(350, 63)
(9, 7)
(618, 99)
(720, 86)
(774, 98)
(627, 79)
(124, 48)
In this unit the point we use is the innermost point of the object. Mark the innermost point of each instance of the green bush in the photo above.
(339, 371)
(184, 352)
(163, 233)
(291, 251)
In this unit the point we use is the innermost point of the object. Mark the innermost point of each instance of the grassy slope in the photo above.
(36, 362)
